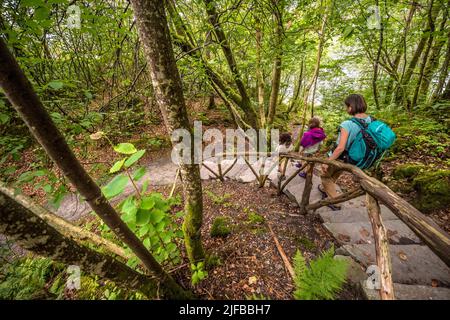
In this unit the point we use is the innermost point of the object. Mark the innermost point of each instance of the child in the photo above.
(285, 145)
(311, 140)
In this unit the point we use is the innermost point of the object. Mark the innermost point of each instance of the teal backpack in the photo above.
(370, 143)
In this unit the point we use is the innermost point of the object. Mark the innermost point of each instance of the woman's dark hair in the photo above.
(285, 138)
(356, 103)
(314, 123)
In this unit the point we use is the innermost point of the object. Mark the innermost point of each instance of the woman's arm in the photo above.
(341, 146)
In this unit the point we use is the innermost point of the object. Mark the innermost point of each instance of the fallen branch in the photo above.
(282, 254)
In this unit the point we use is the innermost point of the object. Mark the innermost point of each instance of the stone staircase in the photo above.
(417, 272)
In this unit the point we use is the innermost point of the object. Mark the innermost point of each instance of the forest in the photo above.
(224, 150)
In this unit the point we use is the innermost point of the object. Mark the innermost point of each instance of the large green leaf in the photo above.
(147, 203)
(142, 217)
(138, 174)
(157, 216)
(135, 157)
(125, 148)
(128, 205)
(41, 13)
(115, 187)
(117, 166)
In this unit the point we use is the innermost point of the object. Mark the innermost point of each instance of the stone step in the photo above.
(411, 264)
(361, 232)
(410, 292)
(294, 191)
(356, 203)
(354, 215)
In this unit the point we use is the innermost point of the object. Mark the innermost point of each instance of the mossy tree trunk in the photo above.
(24, 99)
(154, 34)
(32, 233)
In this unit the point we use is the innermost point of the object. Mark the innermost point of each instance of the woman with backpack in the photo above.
(361, 142)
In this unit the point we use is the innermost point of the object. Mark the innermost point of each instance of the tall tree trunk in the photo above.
(446, 94)
(297, 89)
(433, 61)
(259, 73)
(433, 11)
(307, 92)
(401, 93)
(26, 228)
(213, 19)
(276, 71)
(22, 96)
(400, 50)
(154, 33)
(377, 62)
(444, 71)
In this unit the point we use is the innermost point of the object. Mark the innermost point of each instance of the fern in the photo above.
(322, 280)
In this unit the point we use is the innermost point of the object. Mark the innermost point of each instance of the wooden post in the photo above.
(262, 176)
(219, 166)
(307, 189)
(284, 162)
(381, 248)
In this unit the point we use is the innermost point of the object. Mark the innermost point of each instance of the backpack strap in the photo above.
(368, 139)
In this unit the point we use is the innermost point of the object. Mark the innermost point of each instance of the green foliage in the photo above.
(198, 273)
(254, 218)
(212, 260)
(26, 278)
(115, 186)
(323, 279)
(92, 288)
(220, 227)
(125, 148)
(219, 199)
(147, 215)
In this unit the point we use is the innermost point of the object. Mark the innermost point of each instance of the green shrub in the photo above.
(220, 227)
(254, 218)
(322, 280)
(198, 273)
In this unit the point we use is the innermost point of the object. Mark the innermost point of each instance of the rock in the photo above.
(361, 232)
(410, 292)
(354, 215)
(411, 264)
(355, 272)
(407, 170)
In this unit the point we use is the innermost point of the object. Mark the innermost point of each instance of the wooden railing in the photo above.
(425, 228)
